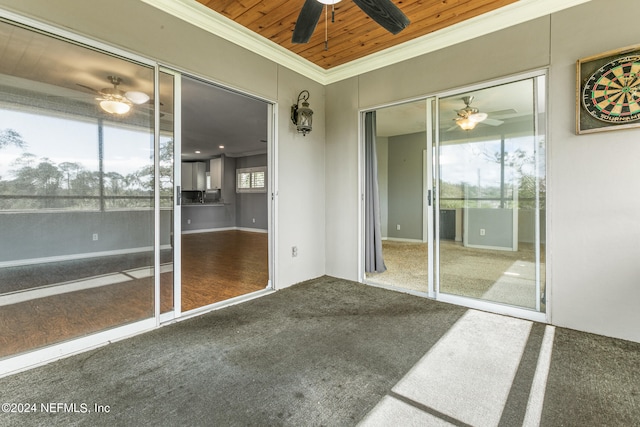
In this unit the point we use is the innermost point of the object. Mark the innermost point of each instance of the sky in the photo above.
(63, 140)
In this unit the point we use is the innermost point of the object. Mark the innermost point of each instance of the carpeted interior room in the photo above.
(471, 272)
(334, 352)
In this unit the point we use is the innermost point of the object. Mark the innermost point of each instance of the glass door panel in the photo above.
(491, 194)
(398, 196)
(76, 191)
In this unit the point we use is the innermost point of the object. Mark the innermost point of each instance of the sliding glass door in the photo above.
(454, 196)
(491, 170)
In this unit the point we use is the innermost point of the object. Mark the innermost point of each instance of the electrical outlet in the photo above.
(483, 232)
(188, 221)
(95, 236)
(397, 226)
(294, 251)
(254, 220)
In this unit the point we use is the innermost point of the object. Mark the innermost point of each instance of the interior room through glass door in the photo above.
(398, 196)
(224, 199)
(491, 168)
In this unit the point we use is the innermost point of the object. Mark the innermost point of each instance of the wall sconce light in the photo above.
(301, 116)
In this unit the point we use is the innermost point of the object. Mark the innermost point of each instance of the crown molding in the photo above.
(201, 16)
(516, 13)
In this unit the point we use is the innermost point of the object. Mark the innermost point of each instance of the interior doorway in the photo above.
(223, 180)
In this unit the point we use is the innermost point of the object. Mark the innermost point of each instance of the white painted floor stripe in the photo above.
(468, 374)
(536, 396)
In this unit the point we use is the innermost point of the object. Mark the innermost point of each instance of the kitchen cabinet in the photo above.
(215, 174)
(193, 176)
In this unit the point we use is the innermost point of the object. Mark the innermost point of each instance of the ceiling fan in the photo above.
(384, 12)
(469, 117)
(117, 101)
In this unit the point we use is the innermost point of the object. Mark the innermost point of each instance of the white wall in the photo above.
(593, 187)
(142, 29)
(342, 177)
(593, 229)
(301, 175)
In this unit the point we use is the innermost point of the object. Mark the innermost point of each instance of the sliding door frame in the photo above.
(433, 138)
(272, 193)
(176, 205)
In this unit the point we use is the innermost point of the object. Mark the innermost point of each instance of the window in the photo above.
(251, 180)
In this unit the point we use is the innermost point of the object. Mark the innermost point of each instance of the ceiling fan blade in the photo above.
(499, 113)
(385, 13)
(492, 122)
(89, 88)
(307, 21)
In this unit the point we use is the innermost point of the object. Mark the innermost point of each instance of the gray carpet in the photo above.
(324, 352)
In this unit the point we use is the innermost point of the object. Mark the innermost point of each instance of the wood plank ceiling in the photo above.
(353, 35)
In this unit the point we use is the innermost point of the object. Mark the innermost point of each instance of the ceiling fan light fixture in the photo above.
(329, 1)
(137, 97)
(466, 124)
(115, 107)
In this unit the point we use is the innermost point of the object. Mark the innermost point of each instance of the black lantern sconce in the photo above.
(301, 116)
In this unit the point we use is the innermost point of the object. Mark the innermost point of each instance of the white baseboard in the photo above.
(399, 239)
(208, 230)
(212, 230)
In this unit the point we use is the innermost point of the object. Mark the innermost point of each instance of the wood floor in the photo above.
(222, 265)
(215, 267)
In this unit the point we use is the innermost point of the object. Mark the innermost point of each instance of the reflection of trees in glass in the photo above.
(11, 137)
(40, 183)
(166, 172)
(519, 169)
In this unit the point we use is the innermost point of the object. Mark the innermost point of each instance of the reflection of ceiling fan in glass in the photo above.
(469, 117)
(116, 101)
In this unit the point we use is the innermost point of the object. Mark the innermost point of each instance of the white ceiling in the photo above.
(212, 116)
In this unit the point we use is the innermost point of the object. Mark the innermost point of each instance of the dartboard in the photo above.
(612, 93)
